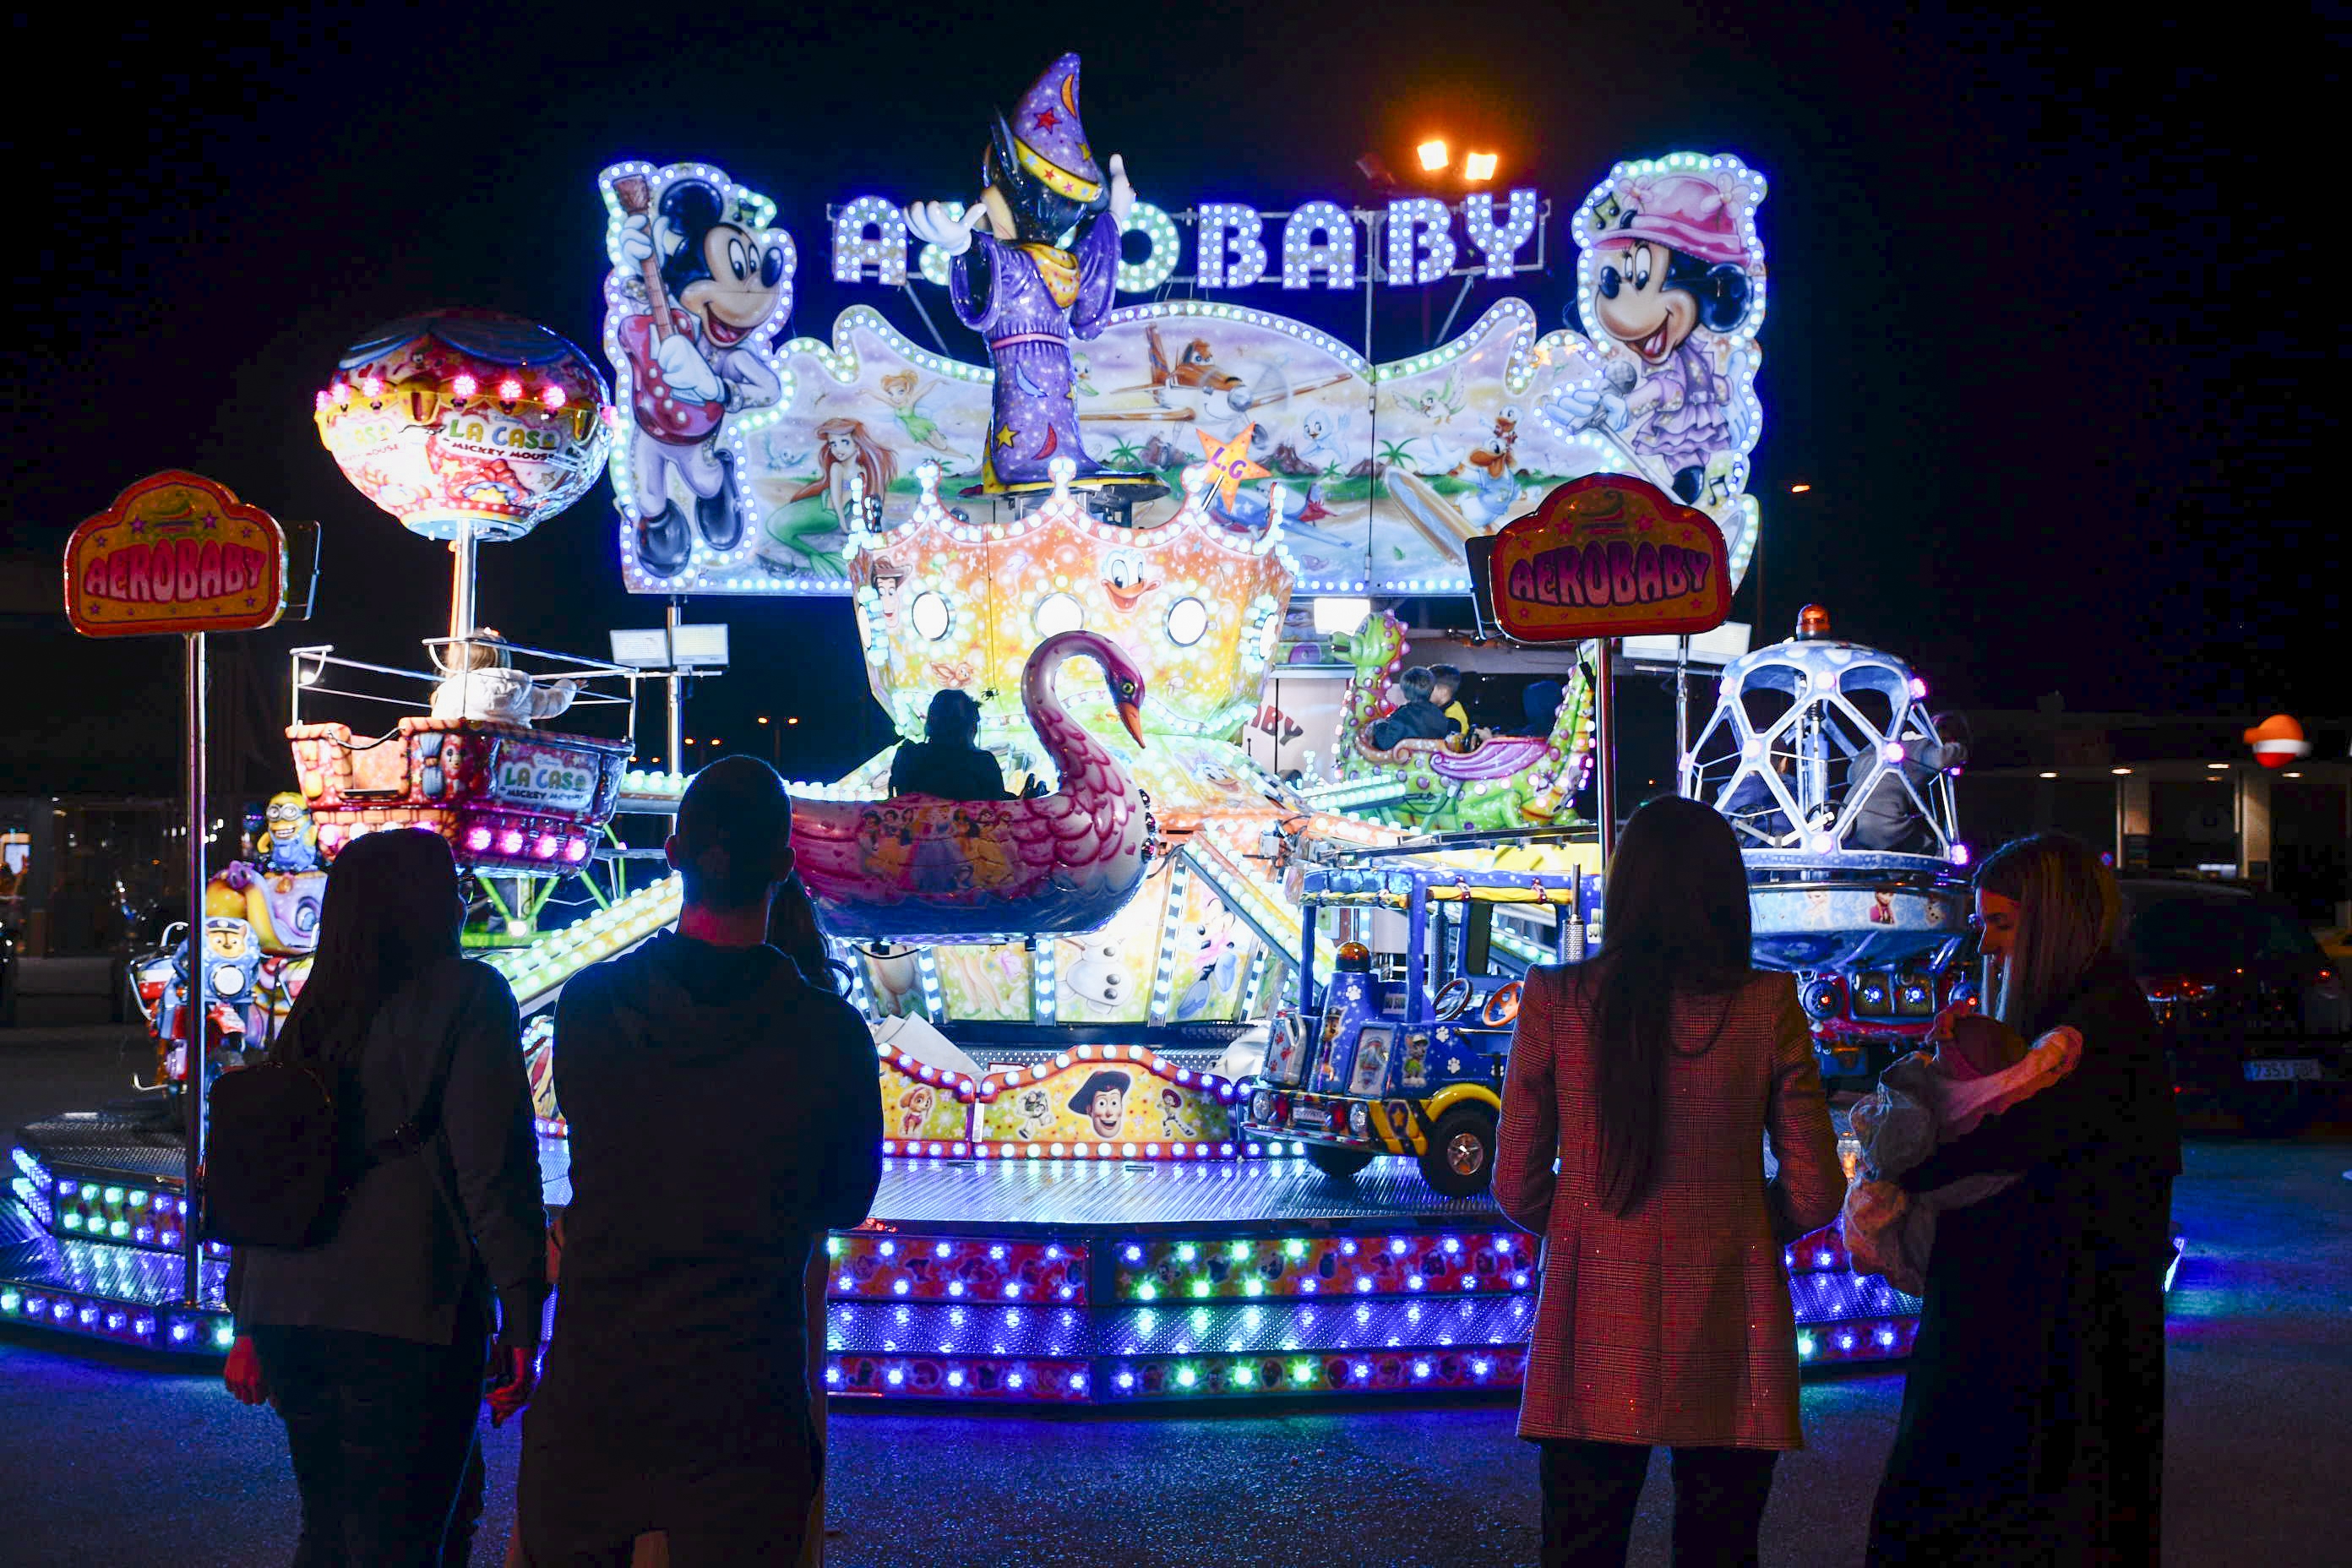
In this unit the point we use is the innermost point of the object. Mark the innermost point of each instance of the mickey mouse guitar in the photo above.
(659, 414)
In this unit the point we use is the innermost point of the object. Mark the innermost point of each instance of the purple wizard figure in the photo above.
(1018, 289)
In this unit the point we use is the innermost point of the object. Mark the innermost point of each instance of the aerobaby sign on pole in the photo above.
(1609, 556)
(178, 553)
(1604, 557)
(175, 552)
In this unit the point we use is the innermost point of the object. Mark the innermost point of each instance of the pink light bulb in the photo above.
(321, 402)
(546, 847)
(576, 850)
(510, 390)
(339, 393)
(463, 387)
(372, 385)
(478, 839)
(552, 396)
(510, 841)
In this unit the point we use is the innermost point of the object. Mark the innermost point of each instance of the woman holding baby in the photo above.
(2033, 1419)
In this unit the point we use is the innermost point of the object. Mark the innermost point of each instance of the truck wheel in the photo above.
(1335, 1161)
(1460, 1162)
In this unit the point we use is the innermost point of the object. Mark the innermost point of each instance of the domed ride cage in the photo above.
(1867, 786)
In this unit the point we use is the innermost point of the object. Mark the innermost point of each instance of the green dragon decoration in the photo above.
(1509, 782)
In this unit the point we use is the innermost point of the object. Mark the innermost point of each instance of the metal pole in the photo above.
(193, 1012)
(1605, 748)
(1682, 704)
(461, 582)
(677, 730)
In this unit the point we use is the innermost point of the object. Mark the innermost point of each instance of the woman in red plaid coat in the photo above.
(1654, 1074)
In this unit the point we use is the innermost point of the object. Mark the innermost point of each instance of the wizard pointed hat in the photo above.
(1048, 139)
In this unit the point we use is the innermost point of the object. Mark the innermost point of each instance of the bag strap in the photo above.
(425, 1121)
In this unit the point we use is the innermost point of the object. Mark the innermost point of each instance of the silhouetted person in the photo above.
(2032, 1422)
(949, 762)
(1651, 1076)
(370, 1343)
(724, 1115)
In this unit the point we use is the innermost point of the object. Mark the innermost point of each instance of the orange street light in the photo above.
(792, 720)
(1798, 489)
(763, 718)
(1434, 155)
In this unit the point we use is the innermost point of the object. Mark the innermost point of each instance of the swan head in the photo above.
(1125, 682)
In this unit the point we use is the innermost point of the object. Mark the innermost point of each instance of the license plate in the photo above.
(1310, 1116)
(2301, 1067)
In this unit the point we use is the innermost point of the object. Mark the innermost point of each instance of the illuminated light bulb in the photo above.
(1891, 754)
(1478, 167)
(463, 385)
(1434, 155)
(371, 387)
(576, 850)
(551, 396)
(510, 390)
(510, 841)
(546, 847)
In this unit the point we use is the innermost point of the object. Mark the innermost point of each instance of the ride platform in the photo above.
(1031, 1280)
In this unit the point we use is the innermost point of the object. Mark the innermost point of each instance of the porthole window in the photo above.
(931, 614)
(1187, 618)
(1059, 613)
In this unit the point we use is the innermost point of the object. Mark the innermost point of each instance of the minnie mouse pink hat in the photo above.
(1683, 211)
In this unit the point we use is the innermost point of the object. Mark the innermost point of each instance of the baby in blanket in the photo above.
(1979, 1066)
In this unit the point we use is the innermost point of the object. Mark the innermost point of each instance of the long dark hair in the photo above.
(2069, 913)
(391, 911)
(1674, 919)
(793, 928)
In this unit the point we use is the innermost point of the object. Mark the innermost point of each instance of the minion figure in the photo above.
(290, 839)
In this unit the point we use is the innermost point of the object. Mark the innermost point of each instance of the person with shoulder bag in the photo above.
(378, 1181)
(1653, 1075)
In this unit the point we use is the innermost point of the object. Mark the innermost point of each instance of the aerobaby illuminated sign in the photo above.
(753, 460)
(1609, 556)
(1412, 242)
(175, 552)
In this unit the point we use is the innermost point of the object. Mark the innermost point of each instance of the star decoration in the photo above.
(1003, 436)
(1048, 120)
(1229, 462)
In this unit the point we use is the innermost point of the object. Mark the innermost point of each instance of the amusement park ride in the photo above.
(1143, 1039)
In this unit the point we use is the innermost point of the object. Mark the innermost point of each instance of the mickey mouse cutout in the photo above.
(701, 282)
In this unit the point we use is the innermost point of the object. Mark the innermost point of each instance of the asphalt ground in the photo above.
(113, 1460)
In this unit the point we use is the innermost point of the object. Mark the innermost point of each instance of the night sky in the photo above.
(2044, 330)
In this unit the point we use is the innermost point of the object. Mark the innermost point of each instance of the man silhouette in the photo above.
(724, 1115)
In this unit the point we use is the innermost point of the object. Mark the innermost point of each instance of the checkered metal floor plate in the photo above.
(148, 1148)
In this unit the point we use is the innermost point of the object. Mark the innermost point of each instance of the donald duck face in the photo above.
(1124, 579)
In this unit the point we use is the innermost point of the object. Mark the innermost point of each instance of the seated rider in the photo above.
(1541, 702)
(1752, 808)
(1445, 687)
(480, 682)
(1416, 718)
(951, 763)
